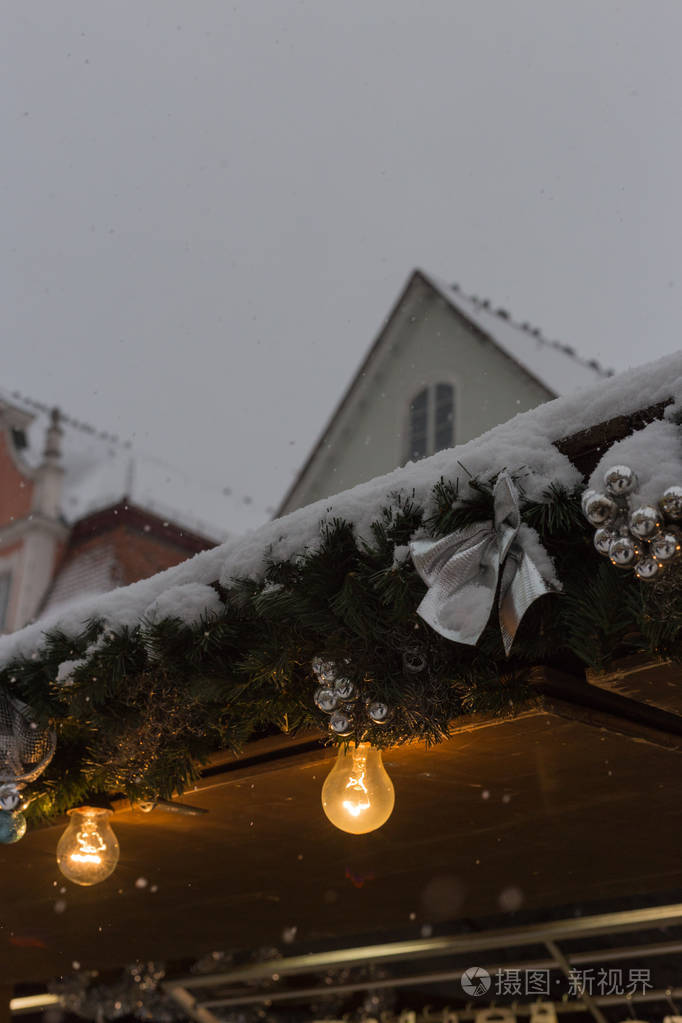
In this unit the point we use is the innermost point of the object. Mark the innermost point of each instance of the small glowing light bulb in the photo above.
(87, 852)
(358, 795)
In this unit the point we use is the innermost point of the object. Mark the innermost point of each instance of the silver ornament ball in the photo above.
(346, 690)
(603, 538)
(323, 669)
(600, 510)
(341, 723)
(326, 699)
(671, 503)
(666, 545)
(645, 521)
(620, 480)
(624, 552)
(648, 569)
(587, 494)
(378, 712)
(12, 827)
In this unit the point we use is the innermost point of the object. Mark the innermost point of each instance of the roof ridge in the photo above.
(140, 455)
(77, 424)
(503, 314)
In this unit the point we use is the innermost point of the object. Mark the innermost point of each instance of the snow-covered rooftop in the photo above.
(101, 469)
(525, 442)
(555, 365)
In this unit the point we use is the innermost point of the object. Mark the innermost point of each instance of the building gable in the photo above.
(69, 521)
(427, 339)
(100, 469)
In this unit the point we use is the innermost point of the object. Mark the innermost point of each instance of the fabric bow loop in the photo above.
(462, 572)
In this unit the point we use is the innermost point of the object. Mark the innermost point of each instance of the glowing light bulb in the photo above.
(87, 852)
(358, 795)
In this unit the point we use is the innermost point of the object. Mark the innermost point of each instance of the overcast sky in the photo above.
(209, 207)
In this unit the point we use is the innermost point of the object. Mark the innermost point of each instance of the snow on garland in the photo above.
(144, 704)
(527, 439)
(144, 683)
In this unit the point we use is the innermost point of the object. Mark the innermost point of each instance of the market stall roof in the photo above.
(548, 808)
(532, 441)
(577, 769)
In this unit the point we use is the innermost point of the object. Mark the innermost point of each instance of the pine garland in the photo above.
(148, 704)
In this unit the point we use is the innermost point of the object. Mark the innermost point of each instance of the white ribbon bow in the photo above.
(462, 572)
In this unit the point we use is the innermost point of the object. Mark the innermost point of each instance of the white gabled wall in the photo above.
(426, 342)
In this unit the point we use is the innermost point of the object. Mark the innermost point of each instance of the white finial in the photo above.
(53, 436)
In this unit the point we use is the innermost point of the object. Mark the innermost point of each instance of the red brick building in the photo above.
(81, 513)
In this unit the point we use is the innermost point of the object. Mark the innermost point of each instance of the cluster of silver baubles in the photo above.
(338, 696)
(641, 538)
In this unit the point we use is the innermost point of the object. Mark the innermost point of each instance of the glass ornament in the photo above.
(325, 670)
(587, 494)
(666, 545)
(88, 851)
(623, 552)
(326, 699)
(648, 569)
(378, 712)
(620, 480)
(603, 538)
(346, 690)
(358, 794)
(645, 521)
(600, 510)
(341, 723)
(12, 826)
(671, 503)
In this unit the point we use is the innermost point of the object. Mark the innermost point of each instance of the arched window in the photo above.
(431, 425)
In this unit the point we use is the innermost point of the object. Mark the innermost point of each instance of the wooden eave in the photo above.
(574, 798)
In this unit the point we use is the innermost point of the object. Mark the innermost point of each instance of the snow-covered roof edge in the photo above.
(499, 326)
(101, 469)
(526, 441)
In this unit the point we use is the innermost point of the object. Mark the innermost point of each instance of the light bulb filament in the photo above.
(90, 844)
(353, 806)
(357, 783)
